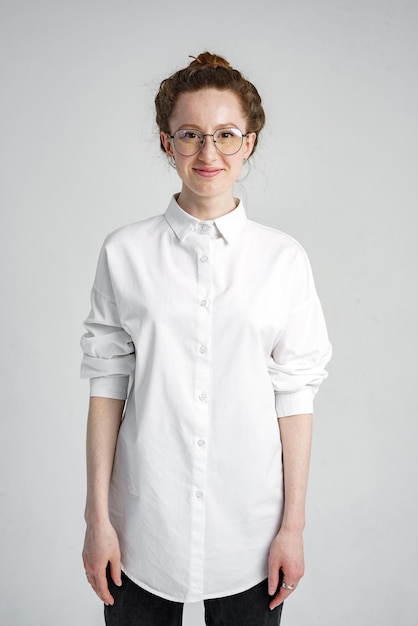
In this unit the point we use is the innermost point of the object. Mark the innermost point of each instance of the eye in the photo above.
(228, 134)
(189, 135)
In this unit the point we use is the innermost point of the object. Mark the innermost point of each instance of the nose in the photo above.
(208, 151)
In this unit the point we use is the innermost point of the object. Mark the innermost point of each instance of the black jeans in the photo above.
(136, 607)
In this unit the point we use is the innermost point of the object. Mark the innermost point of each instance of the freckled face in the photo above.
(208, 174)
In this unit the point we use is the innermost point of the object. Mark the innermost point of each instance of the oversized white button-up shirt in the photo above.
(219, 330)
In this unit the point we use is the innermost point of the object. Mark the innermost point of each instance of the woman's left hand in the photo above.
(286, 554)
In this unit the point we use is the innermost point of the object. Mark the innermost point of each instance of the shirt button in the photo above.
(203, 303)
(199, 494)
(203, 349)
(204, 258)
(203, 397)
(205, 228)
(201, 443)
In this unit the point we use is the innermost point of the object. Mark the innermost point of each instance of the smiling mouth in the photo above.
(207, 173)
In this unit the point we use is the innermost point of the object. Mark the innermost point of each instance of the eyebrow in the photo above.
(197, 127)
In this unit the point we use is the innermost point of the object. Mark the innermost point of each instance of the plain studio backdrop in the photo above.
(336, 168)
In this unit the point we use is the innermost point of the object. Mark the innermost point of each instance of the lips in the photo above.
(207, 173)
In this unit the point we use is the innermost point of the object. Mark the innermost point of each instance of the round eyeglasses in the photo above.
(189, 141)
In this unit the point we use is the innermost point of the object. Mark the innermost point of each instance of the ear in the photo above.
(167, 143)
(249, 144)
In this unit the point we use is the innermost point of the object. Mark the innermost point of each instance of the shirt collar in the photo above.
(183, 223)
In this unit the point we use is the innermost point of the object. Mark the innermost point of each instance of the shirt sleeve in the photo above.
(108, 350)
(298, 360)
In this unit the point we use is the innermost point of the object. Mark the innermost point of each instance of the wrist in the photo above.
(296, 525)
(96, 515)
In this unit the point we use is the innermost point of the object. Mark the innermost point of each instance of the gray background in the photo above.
(336, 168)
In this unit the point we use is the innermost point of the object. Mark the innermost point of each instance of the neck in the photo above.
(206, 208)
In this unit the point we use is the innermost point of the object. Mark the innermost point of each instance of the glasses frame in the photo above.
(203, 140)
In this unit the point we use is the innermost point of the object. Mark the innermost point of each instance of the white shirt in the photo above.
(219, 328)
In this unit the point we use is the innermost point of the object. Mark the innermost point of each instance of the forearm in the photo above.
(102, 432)
(286, 551)
(296, 436)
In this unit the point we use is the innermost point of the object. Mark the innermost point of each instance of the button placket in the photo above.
(203, 313)
(202, 399)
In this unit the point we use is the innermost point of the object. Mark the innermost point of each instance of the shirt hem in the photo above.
(189, 598)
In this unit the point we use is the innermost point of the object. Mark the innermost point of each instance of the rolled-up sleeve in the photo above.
(298, 360)
(108, 350)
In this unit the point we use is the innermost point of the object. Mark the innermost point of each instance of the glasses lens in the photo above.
(187, 141)
(228, 140)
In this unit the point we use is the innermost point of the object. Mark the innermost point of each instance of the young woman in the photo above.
(205, 346)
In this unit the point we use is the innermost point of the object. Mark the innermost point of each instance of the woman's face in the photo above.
(208, 174)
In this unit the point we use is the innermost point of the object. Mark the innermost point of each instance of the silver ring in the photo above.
(286, 586)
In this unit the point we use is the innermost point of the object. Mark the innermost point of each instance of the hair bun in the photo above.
(207, 58)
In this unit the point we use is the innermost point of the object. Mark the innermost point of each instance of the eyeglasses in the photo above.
(189, 141)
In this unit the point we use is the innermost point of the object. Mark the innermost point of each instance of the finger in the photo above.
(273, 579)
(281, 596)
(115, 572)
(100, 586)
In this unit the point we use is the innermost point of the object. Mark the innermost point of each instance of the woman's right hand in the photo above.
(101, 548)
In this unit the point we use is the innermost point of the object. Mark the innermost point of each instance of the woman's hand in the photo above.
(101, 547)
(286, 554)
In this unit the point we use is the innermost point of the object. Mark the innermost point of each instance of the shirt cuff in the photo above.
(115, 387)
(296, 403)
